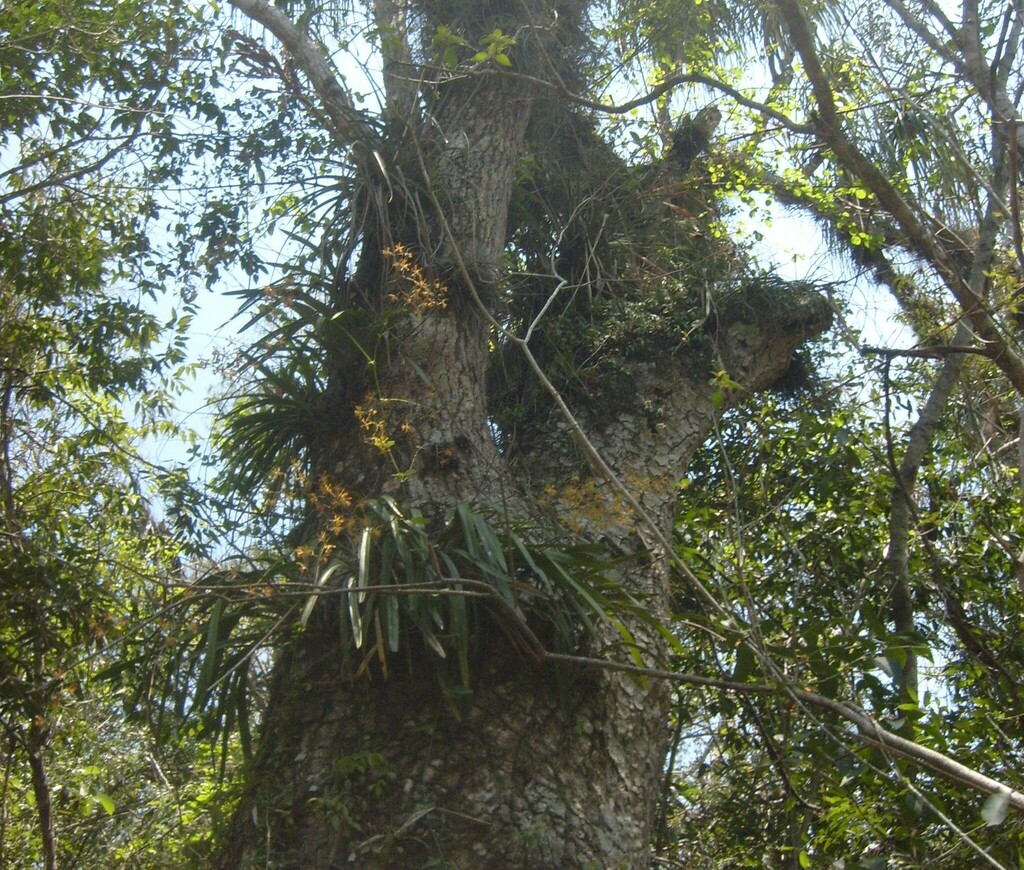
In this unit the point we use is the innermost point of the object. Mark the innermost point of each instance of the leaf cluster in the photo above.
(389, 588)
(779, 488)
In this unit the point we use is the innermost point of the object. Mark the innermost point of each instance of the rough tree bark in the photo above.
(389, 772)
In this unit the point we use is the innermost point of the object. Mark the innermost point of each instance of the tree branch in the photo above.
(902, 508)
(922, 241)
(970, 62)
(659, 90)
(391, 19)
(937, 351)
(50, 181)
(348, 126)
(868, 730)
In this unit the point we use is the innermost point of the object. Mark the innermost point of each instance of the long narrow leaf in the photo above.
(427, 633)
(211, 653)
(392, 621)
(364, 563)
(319, 583)
(355, 616)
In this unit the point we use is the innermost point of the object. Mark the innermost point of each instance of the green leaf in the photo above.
(884, 664)
(392, 622)
(211, 651)
(364, 563)
(104, 801)
(995, 808)
(354, 611)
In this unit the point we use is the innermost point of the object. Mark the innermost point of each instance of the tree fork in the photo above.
(524, 771)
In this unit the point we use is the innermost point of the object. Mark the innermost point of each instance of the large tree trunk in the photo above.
(528, 770)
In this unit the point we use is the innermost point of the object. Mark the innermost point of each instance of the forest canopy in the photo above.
(549, 517)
